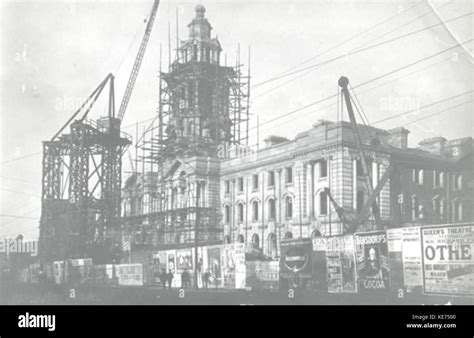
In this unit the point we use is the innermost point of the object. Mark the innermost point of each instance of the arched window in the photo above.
(271, 209)
(457, 211)
(289, 207)
(315, 233)
(323, 168)
(240, 212)
(288, 235)
(272, 245)
(323, 203)
(255, 211)
(227, 239)
(240, 239)
(256, 240)
(415, 208)
(227, 214)
(360, 200)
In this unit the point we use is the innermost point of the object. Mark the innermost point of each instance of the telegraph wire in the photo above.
(351, 38)
(422, 107)
(360, 46)
(365, 83)
(360, 50)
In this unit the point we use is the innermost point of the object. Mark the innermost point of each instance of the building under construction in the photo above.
(172, 198)
(336, 178)
(81, 185)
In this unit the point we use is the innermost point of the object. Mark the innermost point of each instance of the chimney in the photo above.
(274, 140)
(398, 137)
(435, 145)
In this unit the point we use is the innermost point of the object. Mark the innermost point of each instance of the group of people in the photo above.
(166, 278)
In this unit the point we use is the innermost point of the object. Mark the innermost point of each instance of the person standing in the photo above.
(206, 279)
(163, 278)
(170, 278)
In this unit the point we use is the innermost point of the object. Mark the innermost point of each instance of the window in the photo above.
(271, 178)
(323, 203)
(415, 208)
(227, 187)
(323, 169)
(360, 200)
(255, 211)
(401, 203)
(271, 209)
(438, 179)
(457, 211)
(208, 54)
(227, 214)
(438, 206)
(227, 239)
(457, 181)
(255, 182)
(289, 207)
(241, 184)
(288, 235)
(359, 169)
(240, 239)
(315, 233)
(240, 212)
(289, 175)
(256, 240)
(272, 245)
(417, 176)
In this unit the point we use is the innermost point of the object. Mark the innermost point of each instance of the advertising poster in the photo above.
(448, 260)
(214, 265)
(184, 259)
(319, 264)
(341, 266)
(159, 265)
(412, 261)
(395, 261)
(295, 261)
(58, 269)
(372, 261)
(171, 261)
(130, 274)
(240, 270)
(81, 270)
(228, 265)
(262, 274)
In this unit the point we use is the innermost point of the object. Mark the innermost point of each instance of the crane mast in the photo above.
(371, 201)
(138, 61)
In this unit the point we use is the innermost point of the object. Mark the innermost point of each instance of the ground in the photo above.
(22, 294)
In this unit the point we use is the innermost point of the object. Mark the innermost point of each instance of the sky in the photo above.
(55, 53)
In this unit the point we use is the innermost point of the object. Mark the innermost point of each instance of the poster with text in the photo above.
(295, 260)
(130, 274)
(372, 261)
(341, 266)
(184, 260)
(412, 261)
(240, 271)
(228, 265)
(395, 261)
(448, 260)
(319, 264)
(214, 265)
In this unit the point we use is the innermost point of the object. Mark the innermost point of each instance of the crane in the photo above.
(352, 223)
(138, 61)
